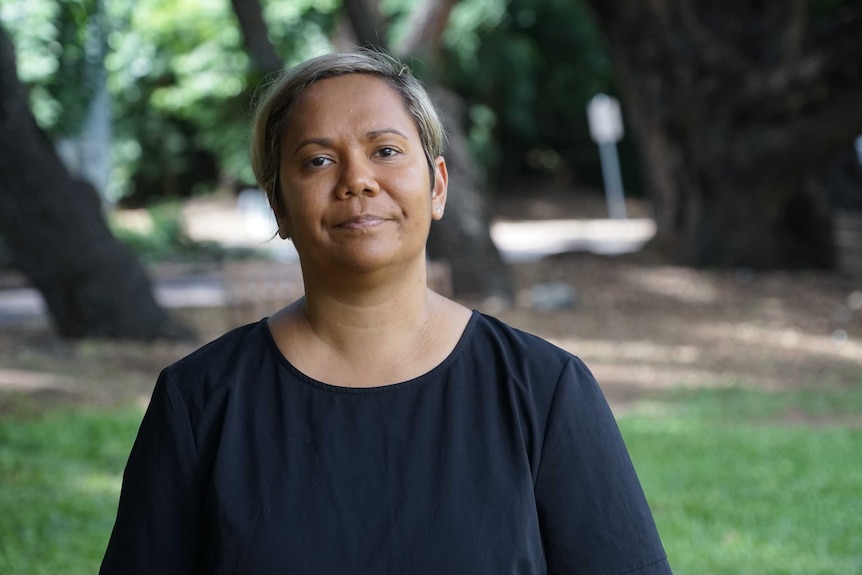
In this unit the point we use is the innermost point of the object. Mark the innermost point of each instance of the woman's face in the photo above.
(354, 179)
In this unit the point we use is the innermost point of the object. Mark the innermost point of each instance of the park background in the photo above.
(729, 345)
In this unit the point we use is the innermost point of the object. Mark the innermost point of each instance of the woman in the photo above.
(374, 426)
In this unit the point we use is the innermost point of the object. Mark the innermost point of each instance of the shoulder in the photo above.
(225, 349)
(519, 348)
(534, 369)
(539, 369)
(545, 385)
(222, 360)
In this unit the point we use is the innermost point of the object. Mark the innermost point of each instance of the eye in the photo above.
(318, 162)
(387, 152)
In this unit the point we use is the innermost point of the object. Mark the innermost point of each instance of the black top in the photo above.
(503, 459)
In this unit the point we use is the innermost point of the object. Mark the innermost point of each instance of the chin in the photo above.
(369, 262)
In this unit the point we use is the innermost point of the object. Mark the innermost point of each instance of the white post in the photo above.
(613, 180)
(606, 129)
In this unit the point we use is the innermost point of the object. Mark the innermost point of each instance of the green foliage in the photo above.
(160, 237)
(179, 77)
(176, 76)
(81, 33)
(302, 28)
(157, 235)
(38, 29)
(534, 64)
(60, 47)
(182, 85)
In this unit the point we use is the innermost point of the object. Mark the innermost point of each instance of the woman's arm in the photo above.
(158, 523)
(592, 511)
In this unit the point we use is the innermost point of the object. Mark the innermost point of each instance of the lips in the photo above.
(361, 222)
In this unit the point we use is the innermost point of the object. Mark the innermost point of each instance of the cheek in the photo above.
(301, 196)
(414, 183)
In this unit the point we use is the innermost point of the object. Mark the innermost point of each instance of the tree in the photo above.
(54, 226)
(738, 108)
(462, 238)
(249, 14)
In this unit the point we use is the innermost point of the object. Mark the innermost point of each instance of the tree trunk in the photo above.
(255, 36)
(365, 22)
(425, 28)
(55, 229)
(738, 109)
(462, 238)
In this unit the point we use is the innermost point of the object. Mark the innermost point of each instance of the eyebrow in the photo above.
(326, 142)
(374, 134)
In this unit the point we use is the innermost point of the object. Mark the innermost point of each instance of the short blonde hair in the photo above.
(274, 105)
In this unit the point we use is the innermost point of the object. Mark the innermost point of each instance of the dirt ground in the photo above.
(642, 327)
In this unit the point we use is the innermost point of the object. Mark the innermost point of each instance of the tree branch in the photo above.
(255, 36)
(807, 142)
(425, 28)
(836, 66)
(367, 25)
(711, 47)
(793, 38)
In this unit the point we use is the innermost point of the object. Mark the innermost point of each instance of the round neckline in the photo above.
(283, 361)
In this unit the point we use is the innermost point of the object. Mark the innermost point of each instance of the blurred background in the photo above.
(720, 305)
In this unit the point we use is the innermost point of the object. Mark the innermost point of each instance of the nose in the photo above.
(357, 178)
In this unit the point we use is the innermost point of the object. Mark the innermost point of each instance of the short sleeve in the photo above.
(593, 513)
(157, 526)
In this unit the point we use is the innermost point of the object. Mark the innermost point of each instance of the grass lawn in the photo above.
(60, 479)
(741, 482)
(747, 482)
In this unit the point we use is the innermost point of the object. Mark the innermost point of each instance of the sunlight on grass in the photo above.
(59, 483)
(98, 484)
(740, 482)
(735, 489)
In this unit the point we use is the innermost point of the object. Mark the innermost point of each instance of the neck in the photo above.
(346, 314)
(368, 333)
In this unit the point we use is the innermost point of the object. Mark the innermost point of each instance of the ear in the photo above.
(440, 188)
(276, 203)
(283, 230)
(283, 226)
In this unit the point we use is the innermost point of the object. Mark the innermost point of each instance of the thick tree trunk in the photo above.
(54, 226)
(462, 238)
(739, 108)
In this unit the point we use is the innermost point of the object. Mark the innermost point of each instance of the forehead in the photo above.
(345, 104)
